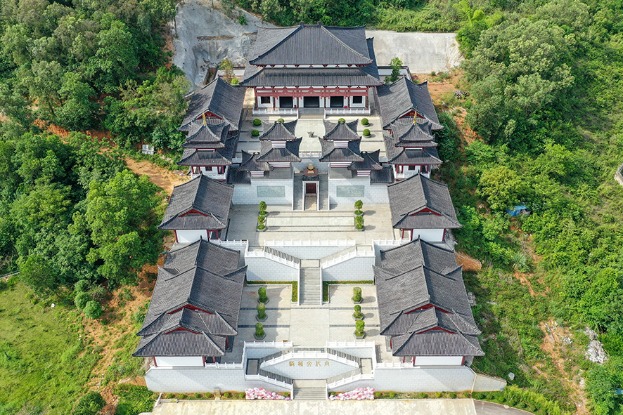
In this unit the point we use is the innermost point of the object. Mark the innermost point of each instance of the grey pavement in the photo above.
(309, 326)
(284, 224)
(376, 407)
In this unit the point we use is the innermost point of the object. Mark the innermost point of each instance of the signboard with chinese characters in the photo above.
(309, 368)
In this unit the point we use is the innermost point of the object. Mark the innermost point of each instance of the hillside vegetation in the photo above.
(545, 100)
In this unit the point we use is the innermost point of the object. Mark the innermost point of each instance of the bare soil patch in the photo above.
(161, 177)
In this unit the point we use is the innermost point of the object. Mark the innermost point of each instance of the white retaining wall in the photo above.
(168, 361)
(423, 379)
(310, 249)
(246, 194)
(202, 380)
(358, 268)
(265, 269)
(373, 193)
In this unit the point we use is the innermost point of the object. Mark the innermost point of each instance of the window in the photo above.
(357, 100)
(220, 169)
(412, 167)
(264, 100)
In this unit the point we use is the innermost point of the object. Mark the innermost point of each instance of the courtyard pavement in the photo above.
(376, 407)
(284, 224)
(309, 326)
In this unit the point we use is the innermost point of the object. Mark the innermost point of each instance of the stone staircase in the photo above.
(310, 289)
(310, 390)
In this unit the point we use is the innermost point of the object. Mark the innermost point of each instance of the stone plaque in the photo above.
(350, 191)
(271, 191)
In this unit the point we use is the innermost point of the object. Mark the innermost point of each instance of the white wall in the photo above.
(373, 193)
(309, 252)
(309, 368)
(353, 269)
(202, 380)
(428, 235)
(265, 269)
(188, 236)
(438, 360)
(246, 194)
(168, 361)
(418, 379)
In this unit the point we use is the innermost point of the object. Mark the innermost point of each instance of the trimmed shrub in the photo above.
(358, 204)
(89, 404)
(341, 121)
(357, 298)
(259, 331)
(280, 120)
(263, 206)
(93, 309)
(261, 311)
(358, 314)
(234, 81)
(261, 292)
(360, 325)
(257, 122)
(255, 133)
(359, 222)
(364, 121)
(366, 133)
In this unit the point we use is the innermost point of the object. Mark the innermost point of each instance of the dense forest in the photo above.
(544, 83)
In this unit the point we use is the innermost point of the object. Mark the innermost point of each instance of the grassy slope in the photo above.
(44, 359)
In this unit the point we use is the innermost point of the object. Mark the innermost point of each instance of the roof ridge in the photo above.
(297, 28)
(342, 42)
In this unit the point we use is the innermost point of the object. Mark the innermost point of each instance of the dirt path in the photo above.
(161, 177)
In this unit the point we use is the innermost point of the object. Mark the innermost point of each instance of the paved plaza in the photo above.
(376, 407)
(309, 326)
(283, 224)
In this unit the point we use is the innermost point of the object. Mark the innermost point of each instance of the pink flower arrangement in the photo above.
(359, 394)
(261, 393)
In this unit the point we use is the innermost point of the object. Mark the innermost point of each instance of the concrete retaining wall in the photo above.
(309, 252)
(265, 269)
(246, 194)
(358, 268)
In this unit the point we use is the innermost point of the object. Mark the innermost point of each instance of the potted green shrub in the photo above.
(257, 122)
(261, 226)
(262, 207)
(261, 294)
(280, 120)
(259, 331)
(358, 315)
(261, 312)
(365, 122)
(359, 329)
(359, 223)
(341, 121)
(366, 133)
(255, 133)
(358, 206)
(357, 298)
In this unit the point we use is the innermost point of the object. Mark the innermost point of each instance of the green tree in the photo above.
(121, 216)
(396, 65)
(501, 187)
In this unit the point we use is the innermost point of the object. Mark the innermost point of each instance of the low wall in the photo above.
(265, 269)
(426, 379)
(310, 249)
(358, 268)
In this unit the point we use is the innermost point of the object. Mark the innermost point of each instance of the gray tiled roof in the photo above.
(332, 153)
(341, 131)
(405, 132)
(235, 176)
(250, 163)
(404, 96)
(280, 131)
(416, 253)
(410, 156)
(289, 153)
(370, 161)
(209, 197)
(219, 98)
(409, 196)
(310, 45)
(382, 176)
(218, 157)
(426, 312)
(308, 77)
(372, 69)
(207, 136)
(195, 303)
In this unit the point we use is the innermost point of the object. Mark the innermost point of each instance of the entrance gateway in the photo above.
(311, 102)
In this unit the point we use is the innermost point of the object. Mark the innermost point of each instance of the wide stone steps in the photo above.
(310, 394)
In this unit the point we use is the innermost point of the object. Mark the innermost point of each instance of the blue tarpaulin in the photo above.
(518, 210)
